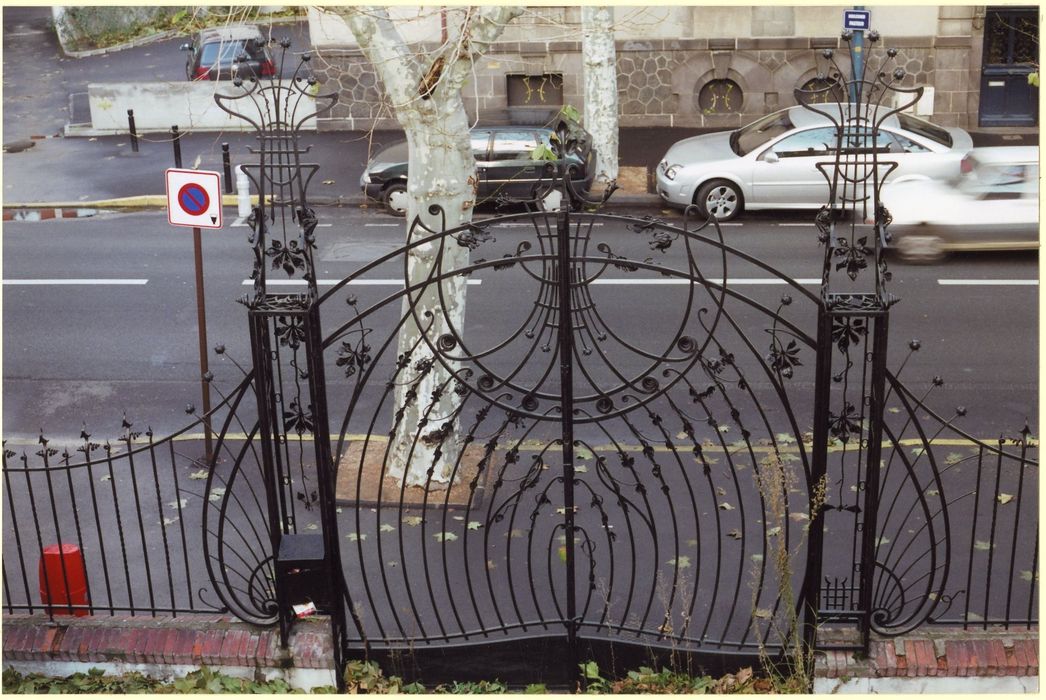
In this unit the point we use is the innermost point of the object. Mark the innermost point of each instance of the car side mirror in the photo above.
(771, 157)
(186, 47)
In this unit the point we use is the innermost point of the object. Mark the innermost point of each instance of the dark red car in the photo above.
(225, 53)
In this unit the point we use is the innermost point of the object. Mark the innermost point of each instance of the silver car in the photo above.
(772, 162)
(994, 205)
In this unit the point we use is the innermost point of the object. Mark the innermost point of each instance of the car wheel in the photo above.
(394, 197)
(719, 199)
(920, 250)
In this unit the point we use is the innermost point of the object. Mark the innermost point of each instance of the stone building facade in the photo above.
(687, 66)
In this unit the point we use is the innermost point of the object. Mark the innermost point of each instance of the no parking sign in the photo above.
(194, 198)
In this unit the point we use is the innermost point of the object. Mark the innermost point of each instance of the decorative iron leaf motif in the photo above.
(473, 237)
(783, 359)
(847, 331)
(297, 419)
(290, 331)
(353, 358)
(290, 257)
(852, 258)
(846, 424)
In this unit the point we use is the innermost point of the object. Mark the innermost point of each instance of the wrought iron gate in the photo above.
(534, 484)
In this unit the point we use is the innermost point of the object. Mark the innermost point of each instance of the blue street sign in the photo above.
(857, 20)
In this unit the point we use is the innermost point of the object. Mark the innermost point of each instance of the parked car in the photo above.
(772, 162)
(993, 205)
(505, 164)
(228, 52)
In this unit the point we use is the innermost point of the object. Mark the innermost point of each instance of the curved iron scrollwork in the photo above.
(278, 109)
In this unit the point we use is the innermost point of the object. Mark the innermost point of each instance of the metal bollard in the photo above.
(134, 132)
(243, 193)
(227, 167)
(176, 139)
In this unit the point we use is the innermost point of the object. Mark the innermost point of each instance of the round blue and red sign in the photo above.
(193, 199)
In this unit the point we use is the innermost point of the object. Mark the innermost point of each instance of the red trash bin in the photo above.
(68, 588)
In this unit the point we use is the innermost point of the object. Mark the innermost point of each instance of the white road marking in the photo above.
(331, 283)
(988, 283)
(385, 225)
(45, 282)
(713, 280)
(796, 224)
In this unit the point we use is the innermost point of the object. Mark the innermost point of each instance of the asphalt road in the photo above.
(123, 339)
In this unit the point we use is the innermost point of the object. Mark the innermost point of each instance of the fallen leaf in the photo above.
(474, 525)
(721, 491)
(413, 520)
(680, 563)
(385, 527)
(953, 457)
(725, 506)
(724, 428)
(445, 536)
(517, 533)
(773, 532)
(763, 613)
(1029, 576)
(785, 438)
(756, 557)
(563, 553)
(216, 494)
(744, 675)
(169, 521)
(328, 182)
(1005, 498)
(882, 540)
(691, 543)
(105, 477)
(933, 492)
(982, 545)
(200, 475)
(180, 503)
(392, 564)
(355, 537)
(735, 533)
(312, 526)
(893, 409)
(581, 469)
(918, 451)
(459, 518)
(798, 517)
(491, 565)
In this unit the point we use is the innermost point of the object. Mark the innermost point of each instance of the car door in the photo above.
(785, 173)
(512, 170)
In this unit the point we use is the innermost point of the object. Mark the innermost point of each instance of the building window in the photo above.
(833, 90)
(535, 90)
(720, 97)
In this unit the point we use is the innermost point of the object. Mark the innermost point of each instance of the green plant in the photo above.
(95, 681)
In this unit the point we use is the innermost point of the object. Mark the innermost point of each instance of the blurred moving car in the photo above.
(772, 162)
(505, 165)
(225, 53)
(993, 205)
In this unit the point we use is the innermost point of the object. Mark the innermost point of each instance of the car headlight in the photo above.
(671, 171)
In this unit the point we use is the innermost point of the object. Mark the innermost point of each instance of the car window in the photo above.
(902, 144)
(229, 51)
(925, 129)
(748, 138)
(479, 140)
(812, 142)
(514, 145)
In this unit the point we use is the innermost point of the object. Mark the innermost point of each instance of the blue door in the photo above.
(1011, 50)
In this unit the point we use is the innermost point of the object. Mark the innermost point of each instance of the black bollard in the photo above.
(134, 132)
(176, 140)
(227, 166)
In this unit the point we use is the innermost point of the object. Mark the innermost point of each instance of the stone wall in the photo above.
(660, 80)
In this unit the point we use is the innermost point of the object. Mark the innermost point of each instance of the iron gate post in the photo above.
(566, 378)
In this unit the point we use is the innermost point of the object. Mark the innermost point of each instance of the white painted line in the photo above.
(45, 282)
(714, 280)
(238, 223)
(386, 225)
(796, 224)
(530, 225)
(988, 283)
(331, 283)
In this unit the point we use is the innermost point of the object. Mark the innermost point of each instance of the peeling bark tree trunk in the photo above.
(601, 110)
(425, 92)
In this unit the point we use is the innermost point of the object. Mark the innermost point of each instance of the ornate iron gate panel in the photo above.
(676, 458)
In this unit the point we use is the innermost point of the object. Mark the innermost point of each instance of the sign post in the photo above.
(194, 198)
(858, 21)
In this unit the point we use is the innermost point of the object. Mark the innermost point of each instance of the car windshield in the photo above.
(229, 51)
(748, 138)
(925, 129)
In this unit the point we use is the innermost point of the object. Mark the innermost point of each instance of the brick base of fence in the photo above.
(151, 645)
(164, 647)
